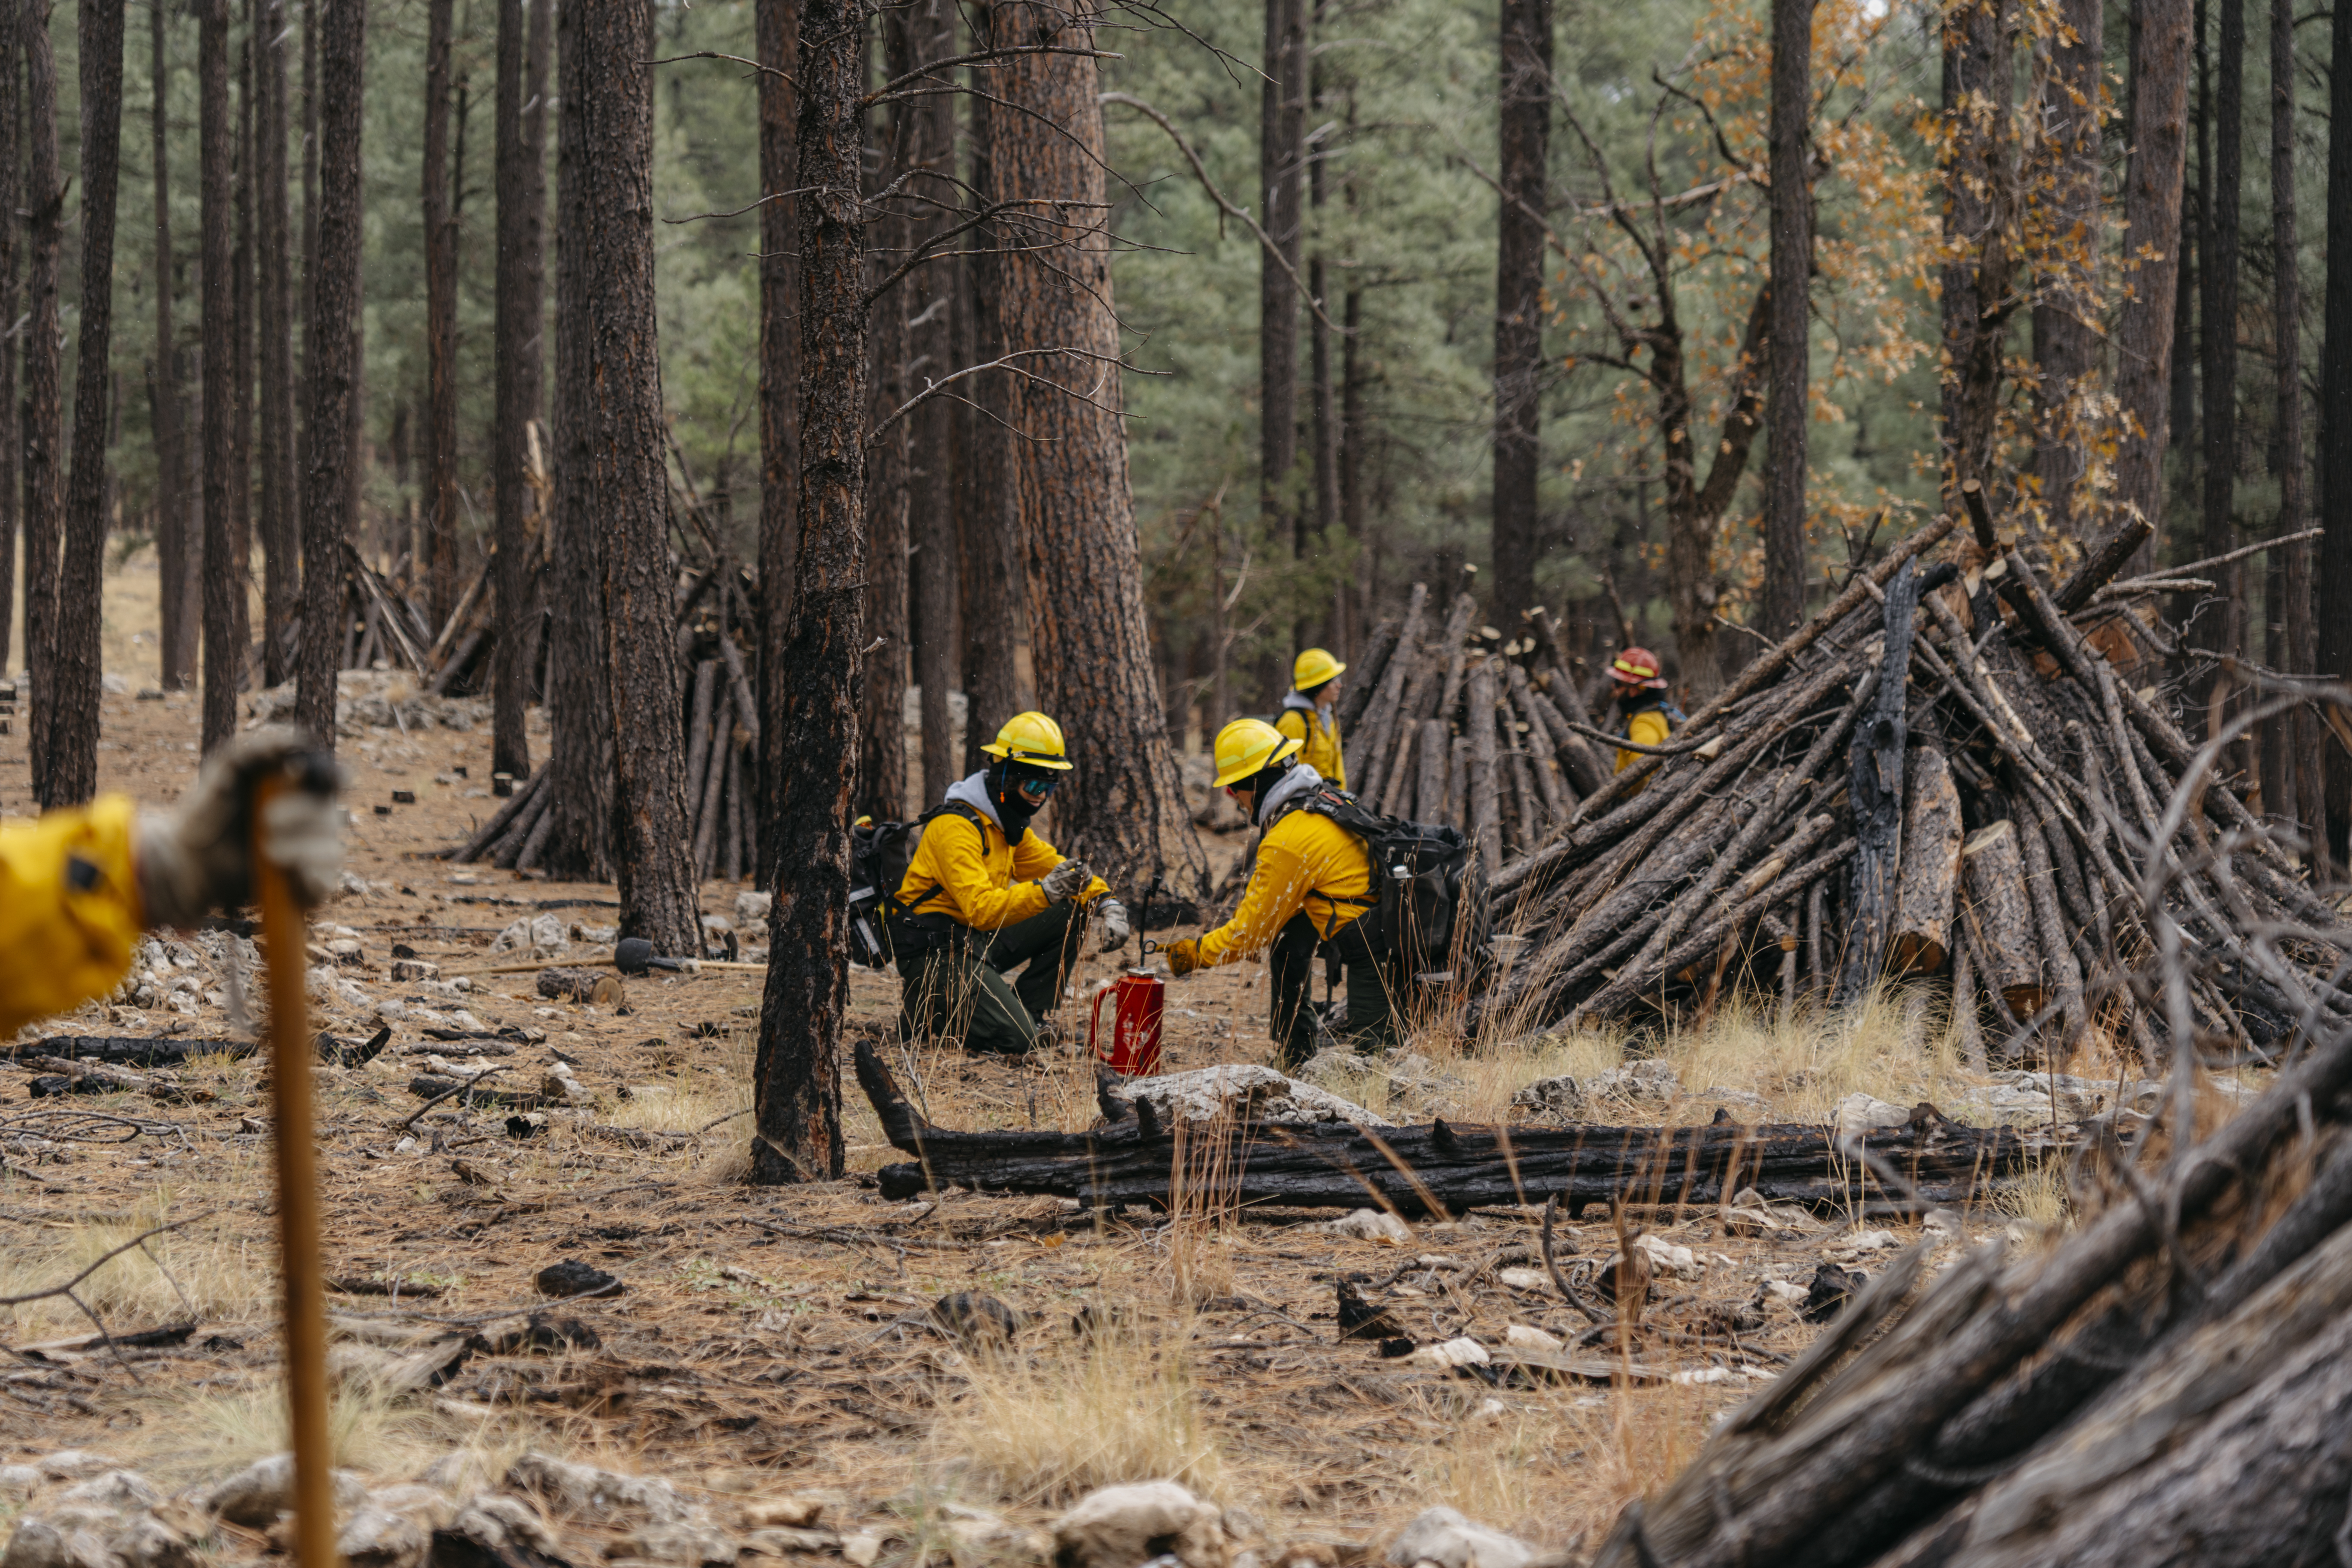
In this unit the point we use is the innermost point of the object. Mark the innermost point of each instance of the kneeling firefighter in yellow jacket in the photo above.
(984, 895)
(78, 885)
(1310, 891)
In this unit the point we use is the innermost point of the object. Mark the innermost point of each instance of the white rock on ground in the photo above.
(1371, 1225)
(1528, 1338)
(1450, 1354)
(1444, 1537)
(258, 1494)
(1119, 1527)
(1247, 1093)
(1524, 1278)
(1665, 1257)
(393, 1527)
(1552, 1100)
(505, 1528)
(2033, 1097)
(1859, 1113)
(1642, 1082)
(599, 1495)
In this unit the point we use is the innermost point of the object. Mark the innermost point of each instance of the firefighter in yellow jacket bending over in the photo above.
(1308, 718)
(1311, 887)
(78, 885)
(984, 895)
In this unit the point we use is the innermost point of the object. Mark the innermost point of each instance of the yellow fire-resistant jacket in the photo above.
(971, 874)
(70, 910)
(1649, 727)
(1323, 750)
(1305, 861)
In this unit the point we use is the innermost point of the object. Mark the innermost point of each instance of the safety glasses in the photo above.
(1037, 788)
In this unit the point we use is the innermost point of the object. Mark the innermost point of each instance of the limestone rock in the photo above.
(1859, 1113)
(258, 1494)
(1371, 1225)
(1119, 1527)
(1444, 1537)
(1243, 1093)
(1644, 1082)
(1552, 1100)
(599, 1495)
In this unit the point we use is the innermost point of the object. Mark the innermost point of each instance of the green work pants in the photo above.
(959, 989)
(1371, 1020)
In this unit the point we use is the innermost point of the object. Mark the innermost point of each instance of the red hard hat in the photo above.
(1637, 666)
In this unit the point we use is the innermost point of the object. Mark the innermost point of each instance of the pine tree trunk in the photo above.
(775, 25)
(521, 248)
(11, 251)
(625, 486)
(70, 776)
(440, 497)
(882, 746)
(987, 546)
(1323, 425)
(2144, 324)
(242, 317)
(2222, 626)
(796, 1076)
(1792, 260)
(1525, 122)
(44, 394)
(330, 360)
(281, 589)
(1976, 72)
(1124, 809)
(306, 297)
(931, 347)
(2065, 313)
(2333, 642)
(580, 703)
(2301, 727)
(1282, 128)
(223, 567)
(178, 632)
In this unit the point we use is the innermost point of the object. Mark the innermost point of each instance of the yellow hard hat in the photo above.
(1313, 668)
(1033, 738)
(1247, 745)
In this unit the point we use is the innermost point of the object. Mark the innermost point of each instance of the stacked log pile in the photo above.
(1940, 776)
(2171, 1383)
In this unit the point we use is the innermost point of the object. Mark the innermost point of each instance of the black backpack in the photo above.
(1428, 897)
(879, 854)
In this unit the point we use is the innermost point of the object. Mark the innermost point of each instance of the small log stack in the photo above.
(1938, 776)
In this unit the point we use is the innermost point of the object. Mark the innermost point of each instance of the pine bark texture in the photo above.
(44, 411)
(2143, 334)
(440, 497)
(931, 351)
(796, 1074)
(882, 747)
(1792, 263)
(2334, 638)
(1124, 810)
(12, 251)
(2222, 629)
(331, 362)
(2065, 312)
(1525, 122)
(1927, 884)
(519, 154)
(775, 25)
(625, 490)
(1282, 133)
(282, 583)
(70, 776)
(242, 316)
(176, 633)
(1977, 92)
(2302, 737)
(989, 544)
(224, 569)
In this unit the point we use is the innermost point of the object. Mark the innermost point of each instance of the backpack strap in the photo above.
(1345, 812)
(890, 902)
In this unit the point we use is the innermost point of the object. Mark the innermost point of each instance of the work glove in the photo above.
(1115, 929)
(1065, 880)
(197, 857)
(1184, 957)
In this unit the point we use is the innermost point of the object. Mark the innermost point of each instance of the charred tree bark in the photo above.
(1927, 886)
(282, 586)
(931, 351)
(440, 497)
(1525, 122)
(987, 543)
(2065, 319)
(306, 300)
(330, 360)
(224, 569)
(2217, 345)
(1693, 509)
(178, 632)
(242, 316)
(2334, 639)
(520, 157)
(2143, 339)
(1792, 266)
(796, 1076)
(624, 490)
(882, 749)
(1281, 163)
(1124, 810)
(44, 412)
(1876, 789)
(2301, 728)
(1976, 280)
(775, 25)
(70, 776)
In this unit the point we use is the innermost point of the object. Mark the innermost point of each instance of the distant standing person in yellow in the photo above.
(1645, 715)
(1307, 714)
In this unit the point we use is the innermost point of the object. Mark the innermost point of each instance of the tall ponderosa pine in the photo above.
(2069, 226)
(71, 774)
(1525, 122)
(625, 492)
(796, 1079)
(12, 250)
(987, 544)
(177, 549)
(1282, 167)
(242, 317)
(2144, 324)
(882, 750)
(524, 38)
(1792, 268)
(281, 583)
(2217, 345)
(1976, 101)
(775, 26)
(440, 497)
(930, 346)
(2334, 638)
(1124, 809)
(44, 199)
(2296, 763)
(224, 564)
(330, 361)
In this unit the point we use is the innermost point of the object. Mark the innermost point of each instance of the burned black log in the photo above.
(1419, 1170)
(127, 1050)
(1876, 787)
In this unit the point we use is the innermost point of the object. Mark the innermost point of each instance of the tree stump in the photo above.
(1929, 879)
(1994, 871)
